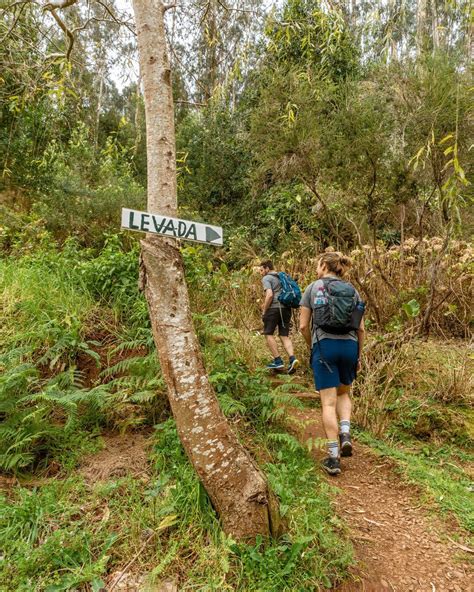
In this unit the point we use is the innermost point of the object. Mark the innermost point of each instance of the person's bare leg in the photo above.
(343, 402)
(287, 344)
(328, 402)
(272, 345)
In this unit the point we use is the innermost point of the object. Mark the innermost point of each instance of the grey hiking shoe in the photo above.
(345, 444)
(331, 465)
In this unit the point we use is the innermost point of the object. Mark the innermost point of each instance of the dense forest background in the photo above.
(300, 126)
(302, 122)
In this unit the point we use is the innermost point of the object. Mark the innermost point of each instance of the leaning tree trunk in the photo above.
(237, 488)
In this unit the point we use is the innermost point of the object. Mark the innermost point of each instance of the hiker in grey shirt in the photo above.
(335, 352)
(276, 315)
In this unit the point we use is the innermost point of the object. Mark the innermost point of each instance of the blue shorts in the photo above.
(338, 364)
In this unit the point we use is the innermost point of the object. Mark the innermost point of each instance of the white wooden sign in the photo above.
(174, 227)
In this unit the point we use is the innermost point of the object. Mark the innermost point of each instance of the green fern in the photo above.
(146, 365)
(133, 383)
(145, 341)
(37, 411)
(285, 439)
(146, 396)
(231, 406)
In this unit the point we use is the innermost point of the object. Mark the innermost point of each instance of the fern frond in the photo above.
(96, 396)
(287, 400)
(23, 439)
(286, 439)
(15, 355)
(133, 344)
(9, 462)
(137, 383)
(145, 396)
(20, 377)
(231, 406)
(290, 387)
(141, 365)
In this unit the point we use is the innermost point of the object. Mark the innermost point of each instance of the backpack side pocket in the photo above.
(357, 314)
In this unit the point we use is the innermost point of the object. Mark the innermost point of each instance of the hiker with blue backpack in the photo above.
(331, 323)
(281, 295)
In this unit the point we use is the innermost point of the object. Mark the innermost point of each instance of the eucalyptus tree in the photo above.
(376, 133)
(212, 42)
(237, 488)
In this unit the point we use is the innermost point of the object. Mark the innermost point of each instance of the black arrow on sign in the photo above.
(211, 234)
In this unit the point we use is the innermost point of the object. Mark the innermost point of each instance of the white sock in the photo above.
(344, 426)
(333, 449)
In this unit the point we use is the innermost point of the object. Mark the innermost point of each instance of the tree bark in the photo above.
(237, 488)
(421, 26)
(435, 26)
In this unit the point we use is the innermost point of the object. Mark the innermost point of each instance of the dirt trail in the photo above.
(122, 454)
(398, 547)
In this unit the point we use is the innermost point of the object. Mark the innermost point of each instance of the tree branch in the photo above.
(112, 15)
(16, 18)
(93, 19)
(196, 79)
(54, 4)
(18, 3)
(68, 33)
(233, 9)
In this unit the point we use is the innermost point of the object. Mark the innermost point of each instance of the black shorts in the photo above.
(277, 317)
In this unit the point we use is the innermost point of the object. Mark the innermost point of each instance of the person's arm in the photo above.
(305, 324)
(268, 300)
(360, 338)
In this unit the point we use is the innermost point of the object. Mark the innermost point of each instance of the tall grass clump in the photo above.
(418, 388)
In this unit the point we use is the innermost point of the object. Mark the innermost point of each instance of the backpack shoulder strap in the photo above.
(326, 281)
(330, 278)
(276, 275)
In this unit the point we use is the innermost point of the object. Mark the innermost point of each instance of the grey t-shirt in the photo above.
(271, 281)
(307, 301)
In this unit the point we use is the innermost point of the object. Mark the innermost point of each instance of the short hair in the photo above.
(268, 263)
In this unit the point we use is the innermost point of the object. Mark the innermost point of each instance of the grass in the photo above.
(65, 534)
(42, 308)
(69, 534)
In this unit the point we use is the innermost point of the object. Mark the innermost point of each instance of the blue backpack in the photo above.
(290, 294)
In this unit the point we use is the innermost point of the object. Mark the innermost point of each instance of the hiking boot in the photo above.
(293, 365)
(345, 444)
(276, 365)
(331, 465)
